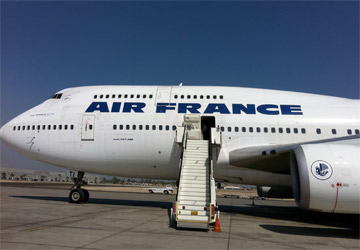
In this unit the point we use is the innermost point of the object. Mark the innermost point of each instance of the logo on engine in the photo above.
(321, 170)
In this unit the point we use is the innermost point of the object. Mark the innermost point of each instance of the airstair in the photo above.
(196, 197)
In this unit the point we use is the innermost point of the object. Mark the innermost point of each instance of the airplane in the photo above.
(284, 142)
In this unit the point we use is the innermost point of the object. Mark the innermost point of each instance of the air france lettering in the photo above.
(197, 108)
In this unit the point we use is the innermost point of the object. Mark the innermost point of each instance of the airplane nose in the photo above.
(2, 133)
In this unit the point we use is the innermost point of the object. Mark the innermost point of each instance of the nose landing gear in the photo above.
(78, 194)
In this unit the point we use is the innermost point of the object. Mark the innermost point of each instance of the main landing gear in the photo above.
(78, 194)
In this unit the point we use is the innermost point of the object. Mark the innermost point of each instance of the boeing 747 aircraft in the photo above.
(285, 141)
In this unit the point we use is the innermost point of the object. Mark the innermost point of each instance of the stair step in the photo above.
(202, 179)
(195, 171)
(199, 195)
(192, 185)
(193, 189)
(192, 203)
(192, 198)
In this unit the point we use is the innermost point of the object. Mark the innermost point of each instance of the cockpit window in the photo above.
(56, 96)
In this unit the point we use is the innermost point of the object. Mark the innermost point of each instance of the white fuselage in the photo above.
(130, 130)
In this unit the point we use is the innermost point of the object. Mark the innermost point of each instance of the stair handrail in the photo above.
(183, 148)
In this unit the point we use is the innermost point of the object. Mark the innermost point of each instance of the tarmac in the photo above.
(40, 217)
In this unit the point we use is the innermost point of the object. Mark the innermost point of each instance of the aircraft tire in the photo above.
(86, 195)
(76, 196)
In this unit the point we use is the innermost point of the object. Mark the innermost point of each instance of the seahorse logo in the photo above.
(321, 170)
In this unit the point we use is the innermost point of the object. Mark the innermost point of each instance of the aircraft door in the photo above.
(88, 128)
(207, 122)
(163, 94)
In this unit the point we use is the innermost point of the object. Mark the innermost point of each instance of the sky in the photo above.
(46, 46)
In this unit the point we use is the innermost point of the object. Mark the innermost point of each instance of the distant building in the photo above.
(36, 175)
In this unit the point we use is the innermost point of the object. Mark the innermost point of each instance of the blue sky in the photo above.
(299, 46)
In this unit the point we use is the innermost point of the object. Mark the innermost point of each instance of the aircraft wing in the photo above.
(276, 158)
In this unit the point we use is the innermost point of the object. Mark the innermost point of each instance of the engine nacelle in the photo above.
(326, 177)
(274, 192)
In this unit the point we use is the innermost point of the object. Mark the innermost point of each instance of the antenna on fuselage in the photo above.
(180, 84)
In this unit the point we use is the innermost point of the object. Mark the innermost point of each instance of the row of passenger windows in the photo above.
(196, 97)
(113, 96)
(144, 127)
(44, 127)
(144, 96)
(282, 130)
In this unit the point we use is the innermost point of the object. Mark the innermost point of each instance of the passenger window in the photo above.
(147, 127)
(72, 127)
(144, 96)
(333, 131)
(121, 127)
(33, 127)
(43, 127)
(281, 130)
(357, 131)
(265, 130)
(113, 96)
(318, 131)
(214, 97)
(221, 97)
(49, 127)
(150, 96)
(201, 97)
(258, 130)
(349, 131)
(243, 129)
(207, 97)
(95, 96)
(189, 96)
(273, 130)
(14, 128)
(137, 96)
(60, 127)
(38, 127)
(127, 127)
(195, 96)
(131, 96)
(251, 129)
(229, 129)
(167, 127)
(182, 96)
(125, 96)
(107, 96)
(303, 131)
(18, 127)
(90, 127)
(28, 127)
(175, 96)
(140, 127)
(134, 127)
(54, 127)
(236, 129)
(174, 127)
(23, 128)
(114, 127)
(222, 129)
(160, 127)
(296, 131)
(66, 127)
(119, 96)
(101, 96)
(288, 130)
(153, 127)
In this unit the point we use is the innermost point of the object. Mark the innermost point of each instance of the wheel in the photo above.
(76, 196)
(166, 192)
(86, 195)
(151, 192)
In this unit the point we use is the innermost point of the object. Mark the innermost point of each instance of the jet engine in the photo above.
(274, 192)
(326, 177)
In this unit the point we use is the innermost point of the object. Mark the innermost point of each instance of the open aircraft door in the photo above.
(88, 128)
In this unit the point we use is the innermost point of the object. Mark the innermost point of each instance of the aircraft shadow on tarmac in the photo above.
(347, 226)
(332, 225)
(142, 203)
